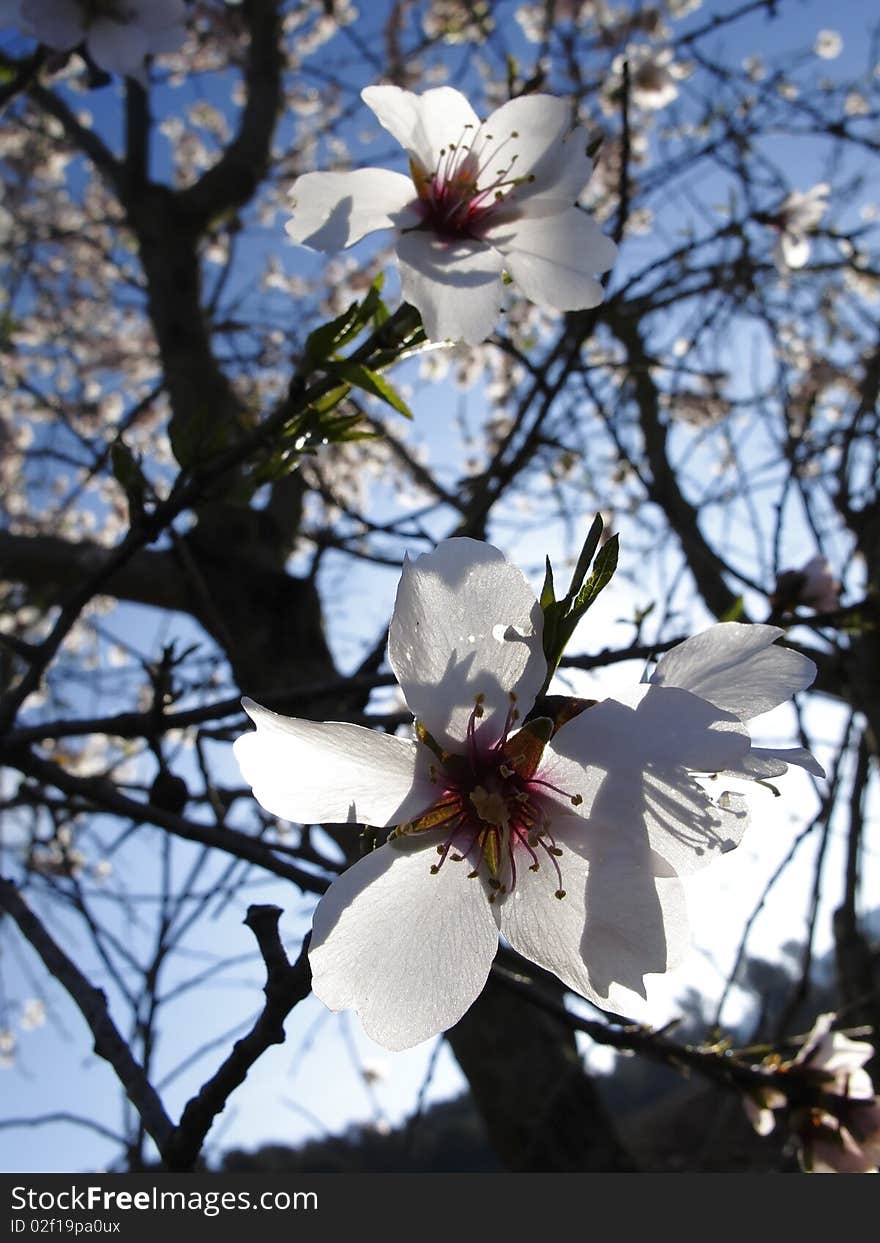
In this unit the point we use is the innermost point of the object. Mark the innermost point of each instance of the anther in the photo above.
(560, 893)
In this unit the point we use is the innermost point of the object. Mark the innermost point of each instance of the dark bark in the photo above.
(542, 1111)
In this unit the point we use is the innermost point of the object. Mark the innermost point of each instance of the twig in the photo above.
(286, 985)
(92, 1004)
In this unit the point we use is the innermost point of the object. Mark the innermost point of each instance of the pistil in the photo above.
(491, 806)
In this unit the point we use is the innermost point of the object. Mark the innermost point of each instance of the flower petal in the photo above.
(410, 951)
(616, 923)
(334, 772)
(161, 18)
(119, 47)
(537, 131)
(423, 124)
(552, 258)
(59, 24)
(762, 762)
(455, 284)
(628, 759)
(737, 667)
(335, 210)
(466, 623)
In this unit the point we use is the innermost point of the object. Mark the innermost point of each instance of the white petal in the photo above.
(762, 762)
(455, 284)
(423, 124)
(537, 131)
(736, 667)
(616, 924)
(335, 210)
(792, 249)
(410, 951)
(118, 46)
(311, 772)
(628, 759)
(466, 623)
(158, 17)
(552, 258)
(10, 12)
(59, 24)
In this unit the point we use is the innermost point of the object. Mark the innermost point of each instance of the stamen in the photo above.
(553, 853)
(528, 843)
(574, 799)
(443, 851)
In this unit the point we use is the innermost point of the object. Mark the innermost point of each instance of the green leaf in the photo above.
(323, 405)
(548, 594)
(371, 382)
(328, 338)
(591, 543)
(562, 616)
(199, 436)
(126, 467)
(603, 572)
(736, 610)
(128, 474)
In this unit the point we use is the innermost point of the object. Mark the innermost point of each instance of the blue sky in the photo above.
(317, 1069)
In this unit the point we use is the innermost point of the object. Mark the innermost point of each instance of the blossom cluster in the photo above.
(118, 34)
(833, 1136)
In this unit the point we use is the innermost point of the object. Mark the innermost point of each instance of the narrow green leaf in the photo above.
(199, 436)
(128, 474)
(591, 543)
(372, 382)
(330, 400)
(736, 610)
(322, 342)
(603, 572)
(126, 467)
(548, 594)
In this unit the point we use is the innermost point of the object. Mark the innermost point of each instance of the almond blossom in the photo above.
(832, 1138)
(482, 199)
(118, 34)
(570, 842)
(798, 215)
(813, 585)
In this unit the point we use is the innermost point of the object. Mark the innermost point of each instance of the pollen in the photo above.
(494, 810)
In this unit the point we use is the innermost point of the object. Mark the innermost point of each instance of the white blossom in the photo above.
(119, 34)
(571, 848)
(828, 44)
(813, 585)
(799, 214)
(482, 199)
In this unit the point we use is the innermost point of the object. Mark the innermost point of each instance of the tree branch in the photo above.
(92, 1004)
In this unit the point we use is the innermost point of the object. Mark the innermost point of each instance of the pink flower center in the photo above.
(472, 177)
(493, 809)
